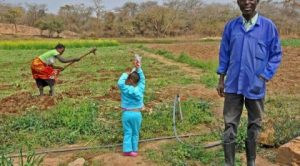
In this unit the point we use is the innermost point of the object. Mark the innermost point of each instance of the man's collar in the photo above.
(252, 21)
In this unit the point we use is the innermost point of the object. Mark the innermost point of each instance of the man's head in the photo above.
(133, 79)
(248, 7)
(60, 48)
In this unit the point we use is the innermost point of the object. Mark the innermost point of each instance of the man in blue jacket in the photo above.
(250, 54)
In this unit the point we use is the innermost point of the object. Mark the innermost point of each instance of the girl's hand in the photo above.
(137, 64)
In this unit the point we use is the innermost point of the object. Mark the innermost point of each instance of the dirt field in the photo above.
(202, 50)
(24, 100)
(288, 76)
(285, 81)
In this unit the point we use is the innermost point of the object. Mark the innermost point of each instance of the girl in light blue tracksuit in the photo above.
(132, 87)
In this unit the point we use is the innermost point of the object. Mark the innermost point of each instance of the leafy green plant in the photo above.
(286, 120)
(159, 122)
(286, 127)
(6, 161)
(201, 115)
(184, 154)
(31, 159)
(166, 54)
(241, 135)
(209, 79)
(205, 65)
(64, 124)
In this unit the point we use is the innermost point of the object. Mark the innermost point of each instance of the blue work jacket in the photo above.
(132, 97)
(245, 56)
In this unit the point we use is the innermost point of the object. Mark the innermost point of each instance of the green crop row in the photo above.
(49, 44)
(291, 42)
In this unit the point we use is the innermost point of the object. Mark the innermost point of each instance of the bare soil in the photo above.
(286, 80)
(202, 50)
(77, 92)
(21, 101)
(193, 72)
(5, 86)
(23, 30)
(113, 157)
(112, 94)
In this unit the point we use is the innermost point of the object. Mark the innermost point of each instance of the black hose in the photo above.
(99, 147)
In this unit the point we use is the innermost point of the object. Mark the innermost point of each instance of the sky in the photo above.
(54, 5)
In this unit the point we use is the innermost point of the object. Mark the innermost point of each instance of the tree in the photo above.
(13, 14)
(34, 13)
(99, 11)
(3, 10)
(292, 7)
(129, 9)
(125, 19)
(52, 24)
(148, 4)
(156, 20)
(42, 25)
(285, 14)
(76, 17)
(56, 26)
(109, 24)
(98, 8)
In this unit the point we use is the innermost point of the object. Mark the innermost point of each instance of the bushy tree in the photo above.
(76, 17)
(34, 12)
(13, 14)
(52, 24)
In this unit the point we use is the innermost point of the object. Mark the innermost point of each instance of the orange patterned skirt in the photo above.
(40, 70)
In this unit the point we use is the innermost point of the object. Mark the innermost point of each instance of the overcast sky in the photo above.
(53, 5)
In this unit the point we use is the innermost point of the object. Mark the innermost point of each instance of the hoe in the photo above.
(91, 51)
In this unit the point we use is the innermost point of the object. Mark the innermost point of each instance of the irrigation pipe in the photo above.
(81, 148)
(176, 109)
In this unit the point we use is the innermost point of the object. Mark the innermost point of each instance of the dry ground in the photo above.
(201, 51)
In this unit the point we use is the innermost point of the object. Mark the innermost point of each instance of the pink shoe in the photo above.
(126, 153)
(133, 154)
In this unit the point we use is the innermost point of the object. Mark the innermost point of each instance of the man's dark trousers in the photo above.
(233, 107)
